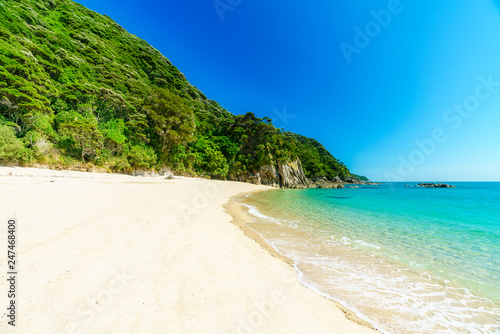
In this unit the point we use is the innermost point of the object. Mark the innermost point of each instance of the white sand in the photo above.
(101, 253)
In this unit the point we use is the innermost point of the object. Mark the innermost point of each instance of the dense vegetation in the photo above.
(362, 178)
(77, 90)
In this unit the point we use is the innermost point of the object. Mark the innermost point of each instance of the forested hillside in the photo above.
(77, 91)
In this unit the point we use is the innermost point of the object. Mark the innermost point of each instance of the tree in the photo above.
(79, 133)
(17, 117)
(113, 132)
(173, 122)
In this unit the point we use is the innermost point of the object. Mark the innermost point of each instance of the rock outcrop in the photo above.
(355, 180)
(435, 185)
(289, 174)
(269, 176)
(151, 172)
(324, 183)
(292, 175)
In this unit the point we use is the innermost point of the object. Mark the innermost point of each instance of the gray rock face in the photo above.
(288, 174)
(240, 177)
(145, 172)
(269, 176)
(292, 175)
(337, 180)
(151, 172)
(323, 183)
(435, 185)
(354, 180)
(255, 179)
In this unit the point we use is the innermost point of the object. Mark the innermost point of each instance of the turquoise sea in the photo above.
(406, 259)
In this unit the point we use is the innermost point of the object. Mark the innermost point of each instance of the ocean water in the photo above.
(406, 259)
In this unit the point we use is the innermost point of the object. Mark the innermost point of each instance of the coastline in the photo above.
(116, 253)
(353, 267)
(241, 217)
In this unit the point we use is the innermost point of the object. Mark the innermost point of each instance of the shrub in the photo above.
(141, 156)
(11, 147)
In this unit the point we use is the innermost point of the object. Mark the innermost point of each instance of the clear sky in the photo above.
(398, 90)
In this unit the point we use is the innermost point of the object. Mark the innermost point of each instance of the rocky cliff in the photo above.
(289, 174)
(268, 175)
(292, 175)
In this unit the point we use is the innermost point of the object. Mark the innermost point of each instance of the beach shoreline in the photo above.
(116, 253)
(241, 217)
(347, 246)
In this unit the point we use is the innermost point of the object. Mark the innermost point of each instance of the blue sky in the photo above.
(382, 106)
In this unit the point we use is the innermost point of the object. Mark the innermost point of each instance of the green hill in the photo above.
(78, 91)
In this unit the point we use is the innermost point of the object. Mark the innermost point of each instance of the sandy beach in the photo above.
(103, 253)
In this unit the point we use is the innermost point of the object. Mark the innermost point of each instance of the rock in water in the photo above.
(435, 185)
